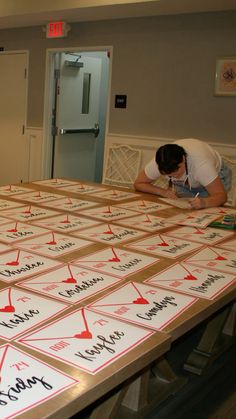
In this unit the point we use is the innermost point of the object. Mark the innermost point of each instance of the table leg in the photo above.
(109, 408)
(218, 335)
(152, 386)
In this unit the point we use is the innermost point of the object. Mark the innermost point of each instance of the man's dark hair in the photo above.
(168, 158)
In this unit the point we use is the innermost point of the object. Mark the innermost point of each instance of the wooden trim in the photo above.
(149, 144)
(35, 138)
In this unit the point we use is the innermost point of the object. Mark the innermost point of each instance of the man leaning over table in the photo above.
(194, 169)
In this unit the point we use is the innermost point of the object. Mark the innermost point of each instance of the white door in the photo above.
(77, 116)
(14, 147)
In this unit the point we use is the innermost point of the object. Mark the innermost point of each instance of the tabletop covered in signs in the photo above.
(95, 284)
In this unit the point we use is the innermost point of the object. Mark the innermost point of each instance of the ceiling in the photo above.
(15, 13)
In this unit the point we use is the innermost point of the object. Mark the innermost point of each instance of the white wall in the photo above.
(165, 65)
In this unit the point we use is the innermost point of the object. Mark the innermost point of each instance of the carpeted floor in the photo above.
(209, 396)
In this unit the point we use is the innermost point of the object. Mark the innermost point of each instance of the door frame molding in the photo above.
(48, 100)
(26, 53)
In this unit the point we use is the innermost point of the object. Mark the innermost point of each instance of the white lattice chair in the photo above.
(122, 166)
(231, 163)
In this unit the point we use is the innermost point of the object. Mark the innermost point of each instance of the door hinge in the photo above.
(54, 131)
(25, 75)
(56, 74)
(23, 129)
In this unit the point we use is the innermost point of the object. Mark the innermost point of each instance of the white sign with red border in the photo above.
(117, 262)
(53, 244)
(86, 340)
(143, 304)
(69, 283)
(201, 282)
(26, 382)
(21, 310)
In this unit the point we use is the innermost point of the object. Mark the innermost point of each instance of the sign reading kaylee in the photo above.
(86, 340)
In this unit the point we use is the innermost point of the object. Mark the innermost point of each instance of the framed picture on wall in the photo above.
(225, 79)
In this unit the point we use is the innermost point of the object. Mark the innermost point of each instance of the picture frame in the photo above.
(225, 77)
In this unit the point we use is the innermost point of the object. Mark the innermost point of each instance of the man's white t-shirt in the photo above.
(203, 163)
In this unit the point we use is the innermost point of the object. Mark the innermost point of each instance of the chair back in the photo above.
(121, 166)
(231, 163)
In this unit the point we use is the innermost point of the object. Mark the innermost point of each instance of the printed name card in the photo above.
(117, 262)
(5, 204)
(66, 223)
(71, 204)
(198, 219)
(15, 231)
(108, 213)
(116, 194)
(26, 382)
(165, 246)
(208, 236)
(143, 304)
(109, 233)
(82, 188)
(201, 282)
(179, 202)
(146, 222)
(53, 244)
(144, 206)
(38, 197)
(4, 247)
(28, 213)
(219, 210)
(229, 244)
(214, 258)
(17, 264)
(55, 183)
(86, 340)
(70, 283)
(4, 220)
(9, 190)
(21, 310)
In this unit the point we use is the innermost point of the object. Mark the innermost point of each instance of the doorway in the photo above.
(14, 144)
(76, 113)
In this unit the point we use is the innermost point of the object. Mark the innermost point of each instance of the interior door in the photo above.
(14, 147)
(77, 116)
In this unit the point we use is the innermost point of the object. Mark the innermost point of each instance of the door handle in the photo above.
(95, 130)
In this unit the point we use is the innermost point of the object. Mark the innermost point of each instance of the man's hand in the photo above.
(197, 203)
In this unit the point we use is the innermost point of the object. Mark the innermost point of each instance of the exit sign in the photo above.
(57, 29)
